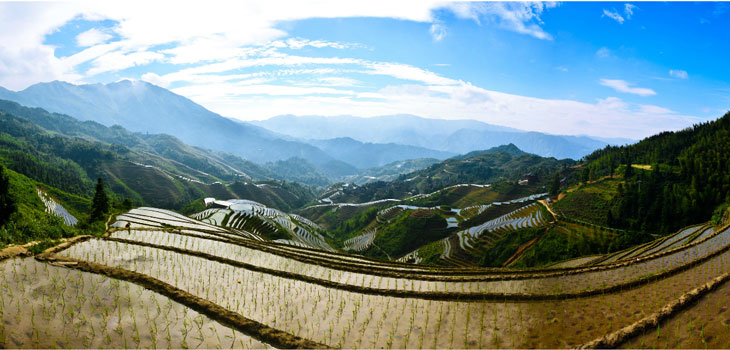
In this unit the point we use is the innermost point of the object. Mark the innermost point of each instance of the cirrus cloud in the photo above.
(678, 73)
(624, 86)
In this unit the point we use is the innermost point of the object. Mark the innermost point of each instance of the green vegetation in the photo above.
(486, 167)
(689, 177)
(342, 230)
(591, 202)
(100, 203)
(67, 154)
(299, 170)
(46, 243)
(30, 222)
(407, 233)
(555, 184)
(508, 245)
(490, 213)
(566, 240)
(720, 215)
(7, 203)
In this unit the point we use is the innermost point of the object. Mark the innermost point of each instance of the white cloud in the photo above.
(678, 73)
(629, 10)
(438, 31)
(116, 61)
(240, 89)
(610, 117)
(92, 37)
(520, 17)
(407, 72)
(613, 15)
(339, 81)
(203, 32)
(24, 59)
(623, 86)
(651, 109)
(224, 47)
(603, 52)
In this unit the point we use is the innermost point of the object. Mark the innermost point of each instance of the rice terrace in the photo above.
(431, 175)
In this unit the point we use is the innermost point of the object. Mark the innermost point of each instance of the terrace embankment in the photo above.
(651, 323)
(594, 280)
(259, 331)
(695, 249)
(349, 319)
(46, 306)
(334, 300)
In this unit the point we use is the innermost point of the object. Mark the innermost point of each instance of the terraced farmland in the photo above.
(53, 208)
(256, 221)
(48, 306)
(360, 242)
(170, 280)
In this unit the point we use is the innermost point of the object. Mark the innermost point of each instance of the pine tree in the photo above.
(100, 204)
(609, 219)
(555, 185)
(7, 203)
(629, 171)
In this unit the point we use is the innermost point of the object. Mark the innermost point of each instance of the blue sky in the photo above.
(614, 69)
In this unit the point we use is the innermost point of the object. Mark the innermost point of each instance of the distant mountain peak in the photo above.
(146, 108)
(456, 136)
(510, 149)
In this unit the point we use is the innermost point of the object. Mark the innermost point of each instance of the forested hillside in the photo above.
(482, 167)
(62, 152)
(671, 179)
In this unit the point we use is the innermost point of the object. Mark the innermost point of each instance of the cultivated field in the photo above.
(173, 281)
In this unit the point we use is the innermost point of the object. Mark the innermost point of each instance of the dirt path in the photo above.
(519, 251)
(11, 252)
(547, 206)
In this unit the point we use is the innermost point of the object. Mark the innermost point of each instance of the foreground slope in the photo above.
(299, 297)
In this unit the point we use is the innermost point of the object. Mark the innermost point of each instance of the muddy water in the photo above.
(44, 306)
(706, 324)
(352, 320)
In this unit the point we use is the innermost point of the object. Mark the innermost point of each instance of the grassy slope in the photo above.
(565, 241)
(406, 233)
(73, 163)
(30, 222)
(589, 202)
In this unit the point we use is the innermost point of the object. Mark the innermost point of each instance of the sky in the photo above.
(607, 69)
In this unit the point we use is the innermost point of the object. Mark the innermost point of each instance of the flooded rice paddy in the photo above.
(341, 318)
(46, 306)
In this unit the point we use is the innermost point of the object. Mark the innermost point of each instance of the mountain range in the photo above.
(150, 169)
(142, 107)
(336, 147)
(452, 136)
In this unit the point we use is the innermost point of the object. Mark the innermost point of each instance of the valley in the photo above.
(492, 248)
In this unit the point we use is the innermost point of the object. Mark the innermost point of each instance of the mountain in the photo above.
(510, 149)
(368, 155)
(142, 107)
(454, 136)
(390, 171)
(503, 163)
(158, 170)
(557, 146)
